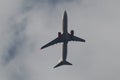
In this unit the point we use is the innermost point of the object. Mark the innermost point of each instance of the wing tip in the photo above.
(41, 47)
(84, 41)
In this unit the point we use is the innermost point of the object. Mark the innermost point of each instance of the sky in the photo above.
(26, 25)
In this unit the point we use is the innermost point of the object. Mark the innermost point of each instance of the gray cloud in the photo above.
(17, 40)
(35, 23)
(29, 4)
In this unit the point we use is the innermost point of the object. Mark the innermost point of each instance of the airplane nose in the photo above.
(65, 13)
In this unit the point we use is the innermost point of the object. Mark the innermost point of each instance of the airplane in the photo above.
(64, 38)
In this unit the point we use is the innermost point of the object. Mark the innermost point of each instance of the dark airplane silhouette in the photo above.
(65, 37)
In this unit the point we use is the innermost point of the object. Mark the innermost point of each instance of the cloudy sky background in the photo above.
(26, 25)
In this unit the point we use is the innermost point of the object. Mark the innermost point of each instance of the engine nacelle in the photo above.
(59, 34)
(72, 32)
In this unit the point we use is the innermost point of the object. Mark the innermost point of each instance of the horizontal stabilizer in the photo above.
(62, 63)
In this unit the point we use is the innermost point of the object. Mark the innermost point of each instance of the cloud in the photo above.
(30, 4)
(16, 42)
(27, 25)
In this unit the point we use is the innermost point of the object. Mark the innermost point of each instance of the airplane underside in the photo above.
(64, 38)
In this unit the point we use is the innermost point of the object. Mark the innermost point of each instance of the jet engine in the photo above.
(72, 32)
(59, 34)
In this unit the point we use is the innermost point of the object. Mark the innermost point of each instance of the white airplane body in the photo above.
(65, 37)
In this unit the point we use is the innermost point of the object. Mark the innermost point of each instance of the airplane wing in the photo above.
(57, 40)
(74, 38)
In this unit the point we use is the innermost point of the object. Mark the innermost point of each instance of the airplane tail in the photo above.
(62, 63)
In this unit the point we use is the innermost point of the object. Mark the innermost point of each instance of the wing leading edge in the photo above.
(55, 41)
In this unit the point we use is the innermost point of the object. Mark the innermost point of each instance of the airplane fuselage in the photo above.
(65, 23)
(65, 36)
